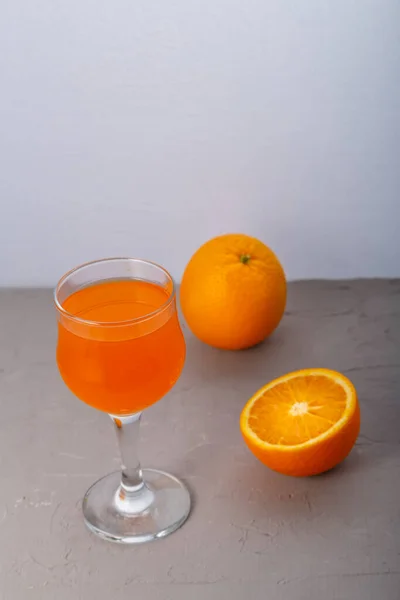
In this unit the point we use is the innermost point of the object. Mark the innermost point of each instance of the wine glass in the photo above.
(121, 349)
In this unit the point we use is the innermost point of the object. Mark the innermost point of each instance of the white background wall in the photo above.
(145, 127)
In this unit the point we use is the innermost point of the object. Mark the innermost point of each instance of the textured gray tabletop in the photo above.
(252, 533)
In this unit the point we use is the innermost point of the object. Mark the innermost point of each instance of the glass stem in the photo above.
(133, 495)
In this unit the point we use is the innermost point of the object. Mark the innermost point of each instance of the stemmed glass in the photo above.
(120, 349)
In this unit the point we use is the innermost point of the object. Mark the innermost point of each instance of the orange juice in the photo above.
(125, 349)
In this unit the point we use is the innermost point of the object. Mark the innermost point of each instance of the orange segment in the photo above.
(303, 423)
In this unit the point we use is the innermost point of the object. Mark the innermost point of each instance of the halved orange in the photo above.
(303, 423)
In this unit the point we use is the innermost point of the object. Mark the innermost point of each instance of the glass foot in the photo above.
(164, 506)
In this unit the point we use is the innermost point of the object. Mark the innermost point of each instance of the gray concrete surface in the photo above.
(253, 534)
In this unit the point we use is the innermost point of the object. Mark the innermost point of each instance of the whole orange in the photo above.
(233, 292)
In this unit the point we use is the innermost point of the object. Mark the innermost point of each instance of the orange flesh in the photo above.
(297, 410)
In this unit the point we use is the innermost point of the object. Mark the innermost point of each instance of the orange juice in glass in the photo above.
(121, 349)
